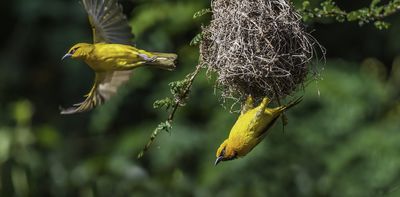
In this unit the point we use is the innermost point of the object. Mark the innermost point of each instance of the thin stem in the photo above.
(178, 102)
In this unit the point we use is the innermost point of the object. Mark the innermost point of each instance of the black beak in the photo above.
(219, 159)
(65, 56)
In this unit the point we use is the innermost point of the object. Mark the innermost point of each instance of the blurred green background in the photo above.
(345, 142)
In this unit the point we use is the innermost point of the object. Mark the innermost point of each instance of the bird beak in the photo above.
(219, 159)
(65, 56)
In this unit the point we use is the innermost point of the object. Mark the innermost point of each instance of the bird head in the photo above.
(79, 50)
(226, 152)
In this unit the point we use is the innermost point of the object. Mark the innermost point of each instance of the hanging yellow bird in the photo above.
(112, 56)
(250, 128)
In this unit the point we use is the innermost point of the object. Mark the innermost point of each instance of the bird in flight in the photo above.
(250, 128)
(112, 55)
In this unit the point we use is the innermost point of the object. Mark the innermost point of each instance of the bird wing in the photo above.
(105, 86)
(108, 22)
(274, 114)
(263, 131)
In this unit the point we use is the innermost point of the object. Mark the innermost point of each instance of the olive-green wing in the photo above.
(108, 22)
(264, 131)
(277, 112)
(105, 86)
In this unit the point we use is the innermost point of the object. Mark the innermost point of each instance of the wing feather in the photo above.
(106, 18)
(112, 82)
(105, 86)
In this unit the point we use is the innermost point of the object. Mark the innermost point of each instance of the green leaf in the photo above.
(22, 112)
(201, 13)
(381, 25)
(197, 39)
(305, 5)
(166, 102)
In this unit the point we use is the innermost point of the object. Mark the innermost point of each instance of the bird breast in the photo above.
(107, 57)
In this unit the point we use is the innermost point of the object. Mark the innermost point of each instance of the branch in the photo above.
(180, 91)
(374, 13)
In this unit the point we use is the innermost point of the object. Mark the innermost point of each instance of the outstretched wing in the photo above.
(108, 23)
(105, 86)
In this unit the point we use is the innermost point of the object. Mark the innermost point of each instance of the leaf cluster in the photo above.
(180, 91)
(375, 13)
(197, 39)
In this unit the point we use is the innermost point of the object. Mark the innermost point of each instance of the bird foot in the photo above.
(147, 58)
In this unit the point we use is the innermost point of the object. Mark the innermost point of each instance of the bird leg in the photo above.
(134, 65)
(264, 104)
(261, 110)
(249, 104)
(147, 58)
(92, 90)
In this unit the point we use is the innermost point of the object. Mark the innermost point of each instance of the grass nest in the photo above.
(257, 47)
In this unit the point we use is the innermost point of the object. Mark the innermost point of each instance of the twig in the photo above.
(177, 103)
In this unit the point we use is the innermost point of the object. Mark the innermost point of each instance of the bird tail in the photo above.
(165, 61)
(292, 103)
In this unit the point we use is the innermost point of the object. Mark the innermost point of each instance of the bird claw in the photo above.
(249, 104)
(146, 58)
(78, 104)
(66, 111)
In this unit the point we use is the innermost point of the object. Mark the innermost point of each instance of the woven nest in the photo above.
(256, 47)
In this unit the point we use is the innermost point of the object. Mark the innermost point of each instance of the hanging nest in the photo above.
(256, 47)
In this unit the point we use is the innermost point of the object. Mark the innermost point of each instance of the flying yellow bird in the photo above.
(112, 56)
(250, 128)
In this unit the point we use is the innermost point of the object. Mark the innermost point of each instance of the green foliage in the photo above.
(344, 142)
(166, 102)
(163, 126)
(196, 40)
(180, 91)
(16, 143)
(201, 13)
(22, 112)
(375, 13)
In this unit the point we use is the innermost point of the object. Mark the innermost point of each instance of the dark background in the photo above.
(345, 142)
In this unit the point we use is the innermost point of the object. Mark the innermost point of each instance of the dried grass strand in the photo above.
(257, 47)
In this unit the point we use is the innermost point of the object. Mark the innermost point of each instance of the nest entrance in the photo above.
(256, 47)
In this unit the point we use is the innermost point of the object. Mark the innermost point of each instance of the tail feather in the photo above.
(292, 103)
(278, 112)
(165, 61)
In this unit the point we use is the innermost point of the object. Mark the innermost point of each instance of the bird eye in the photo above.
(222, 152)
(235, 155)
(73, 50)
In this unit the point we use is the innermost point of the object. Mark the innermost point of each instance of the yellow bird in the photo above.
(112, 56)
(250, 128)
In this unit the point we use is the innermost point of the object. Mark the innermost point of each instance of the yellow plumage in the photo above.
(250, 128)
(112, 55)
(103, 57)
